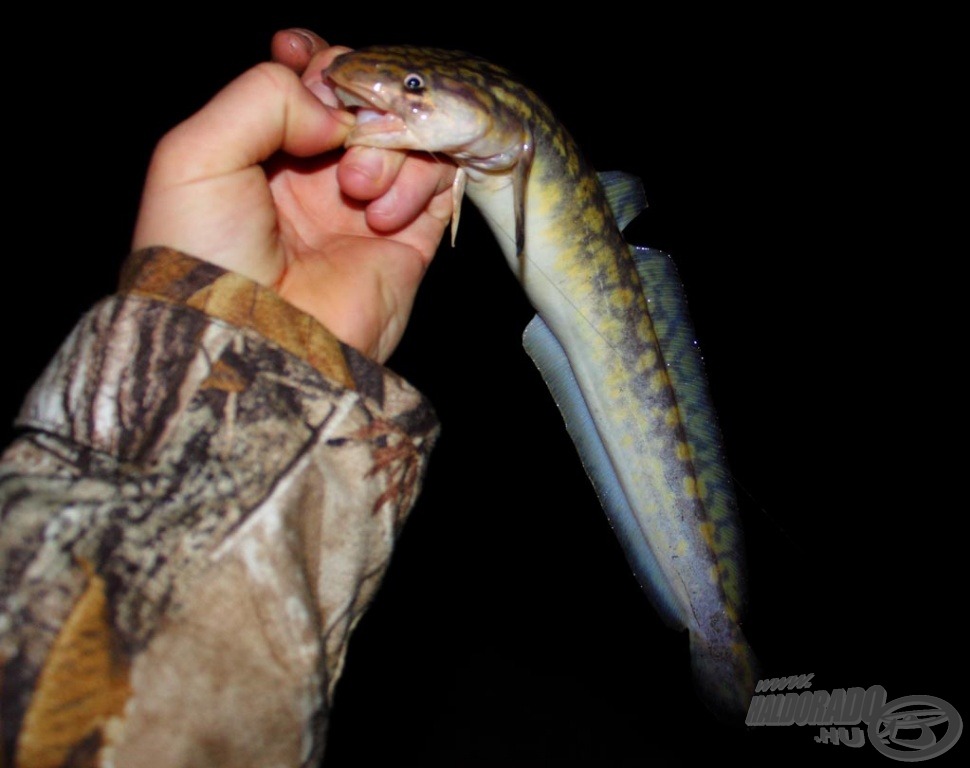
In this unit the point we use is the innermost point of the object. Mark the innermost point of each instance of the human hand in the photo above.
(252, 183)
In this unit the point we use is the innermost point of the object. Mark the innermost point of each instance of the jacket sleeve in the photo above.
(201, 504)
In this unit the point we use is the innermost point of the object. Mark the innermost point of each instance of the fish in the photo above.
(611, 338)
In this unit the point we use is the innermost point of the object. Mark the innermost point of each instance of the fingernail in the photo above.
(343, 116)
(324, 92)
(305, 38)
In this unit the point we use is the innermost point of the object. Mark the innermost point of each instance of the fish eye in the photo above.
(414, 83)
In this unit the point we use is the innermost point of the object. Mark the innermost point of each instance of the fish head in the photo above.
(430, 100)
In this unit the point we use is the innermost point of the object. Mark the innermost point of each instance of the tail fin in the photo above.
(725, 674)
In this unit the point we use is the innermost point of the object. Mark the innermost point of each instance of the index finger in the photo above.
(397, 185)
(264, 110)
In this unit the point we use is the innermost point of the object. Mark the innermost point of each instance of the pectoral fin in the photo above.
(457, 197)
(520, 180)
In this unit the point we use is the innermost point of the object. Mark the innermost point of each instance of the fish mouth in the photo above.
(373, 122)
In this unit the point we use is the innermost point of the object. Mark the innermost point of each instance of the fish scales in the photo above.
(553, 221)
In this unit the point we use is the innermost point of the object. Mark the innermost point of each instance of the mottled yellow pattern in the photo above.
(582, 280)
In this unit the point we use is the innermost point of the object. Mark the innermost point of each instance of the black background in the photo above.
(797, 168)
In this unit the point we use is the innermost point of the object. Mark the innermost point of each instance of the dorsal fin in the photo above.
(624, 193)
(685, 367)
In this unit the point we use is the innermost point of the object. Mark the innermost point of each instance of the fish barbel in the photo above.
(630, 386)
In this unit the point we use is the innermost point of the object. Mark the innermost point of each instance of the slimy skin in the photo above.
(649, 444)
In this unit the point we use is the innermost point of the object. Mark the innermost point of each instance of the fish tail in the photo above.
(725, 674)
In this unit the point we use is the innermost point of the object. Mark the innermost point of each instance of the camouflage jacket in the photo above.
(201, 504)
